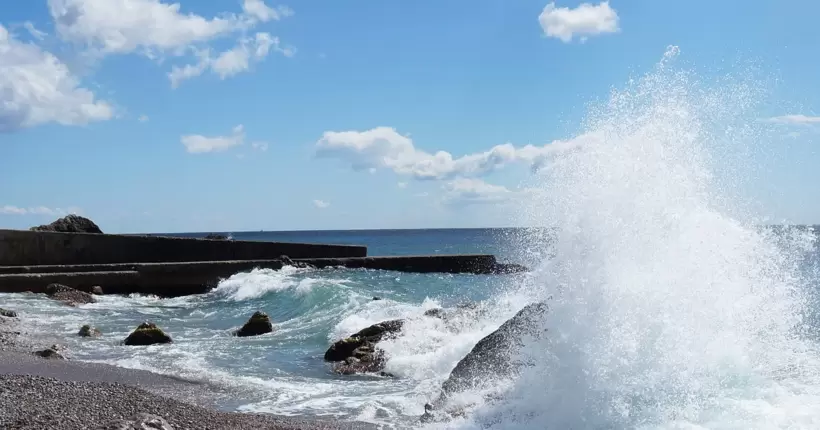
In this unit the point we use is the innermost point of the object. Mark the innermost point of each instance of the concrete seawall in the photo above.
(27, 248)
(184, 278)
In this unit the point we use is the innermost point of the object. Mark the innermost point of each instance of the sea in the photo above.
(673, 304)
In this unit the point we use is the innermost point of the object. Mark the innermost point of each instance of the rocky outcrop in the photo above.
(491, 359)
(287, 261)
(69, 295)
(53, 353)
(97, 290)
(259, 323)
(70, 224)
(7, 313)
(140, 421)
(147, 333)
(359, 353)
(89, 331)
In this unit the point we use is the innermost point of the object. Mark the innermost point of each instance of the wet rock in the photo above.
(89, 331)
(434, 313)
(259, 323)
(54, 353)
(358, 353)
(97, 290)
(7, 313)
(141, 421)
(287, 261)
(147, 333)
(376, 298)
(491, 358)
(70, 224)
(69, 295)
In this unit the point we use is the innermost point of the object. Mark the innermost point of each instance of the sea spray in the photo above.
(668, 309)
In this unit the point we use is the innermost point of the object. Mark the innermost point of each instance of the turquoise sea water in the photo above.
(283, 372)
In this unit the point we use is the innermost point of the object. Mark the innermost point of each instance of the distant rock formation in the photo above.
(259, 323)
(216, 236)
(69, 295)
(358, 353)
(147, 333)
(491, 359)
(70, 224)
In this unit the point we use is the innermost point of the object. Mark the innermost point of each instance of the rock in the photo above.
(376, 298)
(286, 261)
(215, 236)
(259, 323)
(51, 353)
(70, 224)
(141, 421)
(7, 313)
(97, 290)
(89, 331)
(358, 353)
(491, 358)
(69, 295)
(147, 333)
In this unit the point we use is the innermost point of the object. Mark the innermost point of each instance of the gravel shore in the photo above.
(38, 393)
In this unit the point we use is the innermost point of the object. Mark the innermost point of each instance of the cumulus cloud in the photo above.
(384, 147)
(797, 119)
(231, 62)
(321, 204)
(470, 191)
(583, 21)
(37, 210)
(157, 29)
(37, 88)
(198, 144)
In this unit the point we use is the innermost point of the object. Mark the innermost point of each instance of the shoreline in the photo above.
(39, 393)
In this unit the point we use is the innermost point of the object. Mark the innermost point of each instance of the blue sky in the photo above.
(231, 115)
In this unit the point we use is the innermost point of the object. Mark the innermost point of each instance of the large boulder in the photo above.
(141, 421)
(89, 331)
(358, 353)
(69, 295)
(7, 313)
(70, 224)
(259, 323)
(147, 333)
(491, 359)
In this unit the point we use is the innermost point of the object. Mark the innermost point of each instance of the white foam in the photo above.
(258, 282)
(667, 311)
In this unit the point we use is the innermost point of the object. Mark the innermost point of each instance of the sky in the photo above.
(234, 115)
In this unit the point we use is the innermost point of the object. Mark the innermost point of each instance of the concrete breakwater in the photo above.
(30, 248)
(169, 267)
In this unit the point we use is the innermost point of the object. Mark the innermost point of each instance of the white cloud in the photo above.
(37, 88)
(383, 147)
(33, 31)
(585, 20)
(402, 184)
(157, 29)
(321, 204)
(231, 62)
(798, 119)
(465, 191)
(143, 118)
(37, 210)
(260, 146)
(257, 9)
(198, 144)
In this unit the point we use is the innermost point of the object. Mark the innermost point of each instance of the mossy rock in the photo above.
(7, 313)
(259, 323)
(89, 331)
(147, 333)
